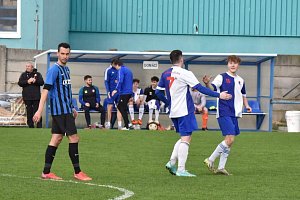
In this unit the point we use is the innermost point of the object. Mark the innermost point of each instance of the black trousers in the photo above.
(122, 107)
(100, 109)
(31, 107)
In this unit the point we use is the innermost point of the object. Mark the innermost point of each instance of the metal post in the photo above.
(272, 64)
(47, 102)
(37, 27)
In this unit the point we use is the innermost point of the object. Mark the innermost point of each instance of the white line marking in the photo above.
(127, 193)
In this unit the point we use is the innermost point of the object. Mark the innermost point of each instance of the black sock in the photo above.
(49, 157)
(74, 156)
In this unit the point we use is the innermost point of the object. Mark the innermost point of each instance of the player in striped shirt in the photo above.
(228, 112)
(58, 87)
(176, 81)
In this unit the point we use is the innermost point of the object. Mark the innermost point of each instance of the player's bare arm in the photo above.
(206, 80)
(246, 104)
(38, 114)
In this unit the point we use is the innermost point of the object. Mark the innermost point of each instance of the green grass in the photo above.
(265, 166)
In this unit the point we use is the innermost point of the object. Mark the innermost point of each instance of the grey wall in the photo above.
(287, 75)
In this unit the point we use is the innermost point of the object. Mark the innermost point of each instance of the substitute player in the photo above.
(124, 89)
(228, 112)
(136, 102)
(110, 81)
(58, 85)
(89, 97)
(176, 81)
(152, 100)
(199, 100)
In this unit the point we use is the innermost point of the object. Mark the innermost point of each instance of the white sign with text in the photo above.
(150, 65)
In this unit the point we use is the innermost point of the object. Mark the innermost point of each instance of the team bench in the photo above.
(256, 110)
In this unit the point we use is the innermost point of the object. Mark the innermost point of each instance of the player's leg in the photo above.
(30, 113)
(102, 115)
(141, 107)
(229, 140)
(174, 156)
(204, 118)
(57, 136)
(186, 125)
(157, 105)
(109, 114)
(71, 132)
(122, 107)
(131, 110)
(87, 116)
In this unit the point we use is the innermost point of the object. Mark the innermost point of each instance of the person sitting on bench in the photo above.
(89, 97)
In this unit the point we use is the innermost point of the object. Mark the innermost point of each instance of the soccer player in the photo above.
(89, 97)
(124, 89)
(176, 81)
(228, 112)
(199, 100)
(152, 100)
(110, 81)
(137, 101)
(58, 86)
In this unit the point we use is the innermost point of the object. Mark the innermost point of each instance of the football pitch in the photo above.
(131, 165)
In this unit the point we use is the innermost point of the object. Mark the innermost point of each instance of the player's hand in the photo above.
(206, 79)
(200, 108)
(97, 105)
(75, 113)
(37, 117)
(249, 109)
(114, 92)
(224, 95)
(87, 104)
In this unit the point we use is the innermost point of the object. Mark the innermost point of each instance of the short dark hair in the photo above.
(154, 78)
(117, 61)
(175, 56)
(87, 77)
(64, 45)
(136, 80)
(233, 58)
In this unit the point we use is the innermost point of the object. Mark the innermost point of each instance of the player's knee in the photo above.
(74, 138)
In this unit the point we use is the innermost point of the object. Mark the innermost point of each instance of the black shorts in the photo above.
(63, 124)
(123, 100)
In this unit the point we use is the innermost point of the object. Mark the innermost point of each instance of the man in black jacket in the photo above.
(30, 81)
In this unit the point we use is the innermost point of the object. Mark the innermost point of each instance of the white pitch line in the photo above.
(127, 193)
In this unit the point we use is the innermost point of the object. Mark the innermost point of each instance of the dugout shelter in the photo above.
(256, 69)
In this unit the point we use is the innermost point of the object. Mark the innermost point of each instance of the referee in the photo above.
(58, 86)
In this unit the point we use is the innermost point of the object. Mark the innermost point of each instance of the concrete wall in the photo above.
(287, 75)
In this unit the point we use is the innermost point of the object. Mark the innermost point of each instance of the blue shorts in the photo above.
(229, 125)
(185, 125)
(113, 99)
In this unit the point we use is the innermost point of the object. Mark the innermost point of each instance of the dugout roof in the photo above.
(161, 57)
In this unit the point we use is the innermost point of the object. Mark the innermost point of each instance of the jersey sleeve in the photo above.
(51, 76)
(98, 98)
(106, 80)
(161, 84)
(244, 90)
(80, 95)
(217, 82)
(141, 91)
(189, 78)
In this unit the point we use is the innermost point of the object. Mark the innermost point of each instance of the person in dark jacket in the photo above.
(30, 81)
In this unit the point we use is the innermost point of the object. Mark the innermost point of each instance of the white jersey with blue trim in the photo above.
(177, 81)
(235, 86)
(137, 94)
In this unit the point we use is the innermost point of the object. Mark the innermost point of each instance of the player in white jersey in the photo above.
(136, 102)
(199, 100)
(227, 112)
(176, 81)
